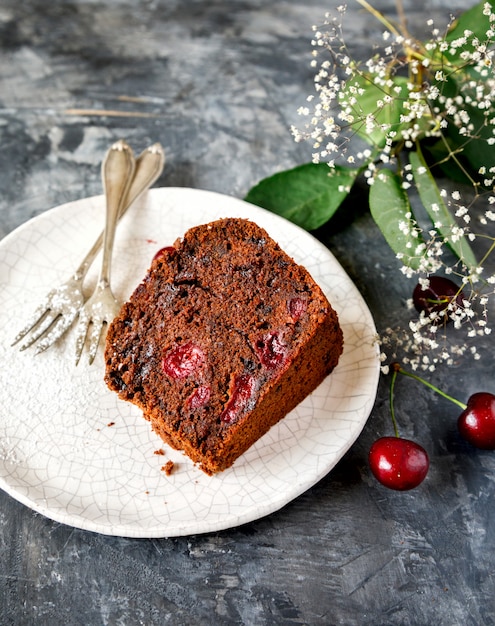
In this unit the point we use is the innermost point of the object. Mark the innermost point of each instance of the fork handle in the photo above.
(149, 166)
(117, 171)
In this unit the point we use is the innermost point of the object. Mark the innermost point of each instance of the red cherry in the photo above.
(167, 250)
(437, 296)
(271, 350)
(199, 397)
(398, 463)
(242, 391)
(297, 307)
(183, 360)
(477, 422)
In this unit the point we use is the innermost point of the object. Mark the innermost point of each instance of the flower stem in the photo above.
(402, 16)
(379, 16)
(487, 254)
(397, 369)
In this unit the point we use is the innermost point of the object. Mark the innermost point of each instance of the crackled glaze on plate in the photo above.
(71, 450)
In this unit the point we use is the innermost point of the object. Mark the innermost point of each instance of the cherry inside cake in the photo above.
(225, 335)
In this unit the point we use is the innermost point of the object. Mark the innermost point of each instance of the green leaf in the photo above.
(437, 210)
(472, 152)
(307, 195)
(471, 20)
(390, 208)
(440, 155)
(476, 150)
(360, 95)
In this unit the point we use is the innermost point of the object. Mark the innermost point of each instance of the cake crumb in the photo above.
(160, 452)
(168, 468)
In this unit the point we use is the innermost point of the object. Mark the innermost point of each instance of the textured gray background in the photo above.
(218, 84)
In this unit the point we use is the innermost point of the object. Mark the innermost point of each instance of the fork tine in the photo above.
(54, 332)
(40, 328)
(81, 332)
(95, 334)
(37, 316)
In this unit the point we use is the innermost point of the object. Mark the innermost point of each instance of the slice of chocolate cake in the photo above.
(225, 335)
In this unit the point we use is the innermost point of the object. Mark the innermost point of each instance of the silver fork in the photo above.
(57, 312)
(102, 306)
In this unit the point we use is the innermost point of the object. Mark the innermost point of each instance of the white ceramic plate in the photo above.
(71, 450)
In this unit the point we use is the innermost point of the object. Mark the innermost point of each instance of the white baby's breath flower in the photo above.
(369, 100)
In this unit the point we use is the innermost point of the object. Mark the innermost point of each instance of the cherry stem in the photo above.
(391, 399)
(397, 369)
